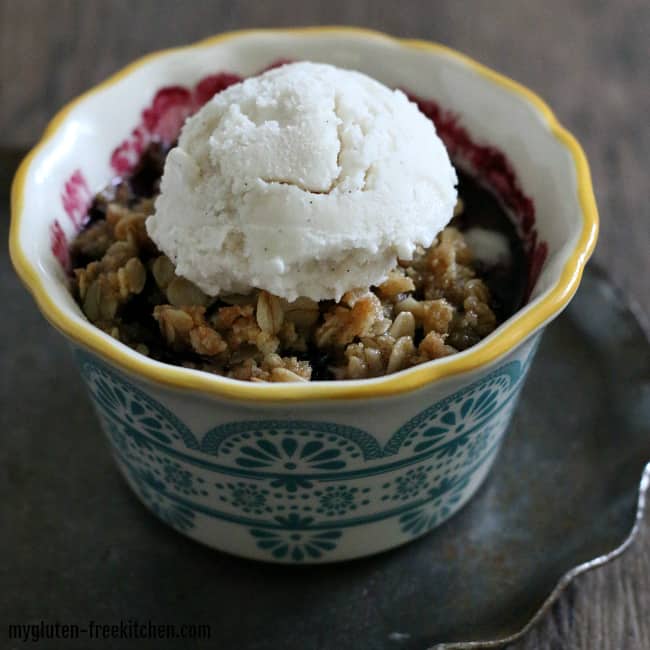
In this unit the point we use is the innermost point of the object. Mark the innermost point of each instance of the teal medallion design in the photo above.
(294, 542)
(443, 500)
(181, 480)
(130, 409)
(162, 471)
(150, 490)
(291, 448)
(438, 427)
(337, 500)
(294, 488)
(247, 497)
(407, 486)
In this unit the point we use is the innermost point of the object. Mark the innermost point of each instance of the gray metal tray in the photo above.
(76, 546)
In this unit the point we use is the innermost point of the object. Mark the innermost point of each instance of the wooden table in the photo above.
(587, 58)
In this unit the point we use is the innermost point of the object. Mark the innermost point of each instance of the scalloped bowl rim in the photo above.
(513, 332)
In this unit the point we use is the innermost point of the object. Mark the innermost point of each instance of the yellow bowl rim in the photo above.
(505, 339)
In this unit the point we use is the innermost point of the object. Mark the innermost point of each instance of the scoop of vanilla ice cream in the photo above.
(307, 180)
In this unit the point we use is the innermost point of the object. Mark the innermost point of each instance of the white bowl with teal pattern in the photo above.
(324, 471)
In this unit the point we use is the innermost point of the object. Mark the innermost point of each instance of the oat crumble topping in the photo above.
(430, 307)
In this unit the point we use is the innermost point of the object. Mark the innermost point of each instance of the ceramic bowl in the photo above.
(323, 471)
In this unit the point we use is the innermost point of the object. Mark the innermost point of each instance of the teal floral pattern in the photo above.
(290, 453)
(338, 500)
(248, 497)
(131, 410)
(151, 491)
(181, 480)
(290, 447)
(295, 543)
(409, 485)
(439, 426)
(298, 490)
(442, 503)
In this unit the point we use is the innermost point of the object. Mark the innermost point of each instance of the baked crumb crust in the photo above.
(427, 308)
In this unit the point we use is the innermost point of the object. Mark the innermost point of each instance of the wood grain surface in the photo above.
(588, 58)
